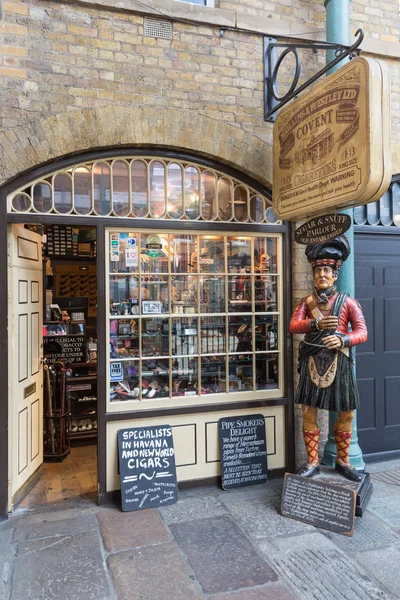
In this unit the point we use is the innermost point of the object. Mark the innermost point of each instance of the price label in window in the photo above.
(116, 372)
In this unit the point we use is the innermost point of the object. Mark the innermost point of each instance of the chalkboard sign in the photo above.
(320, 504)
(147, 467)
(243, 451)
(68, 348)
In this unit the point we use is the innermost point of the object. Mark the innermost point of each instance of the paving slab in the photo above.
(314, 568)
(60, 568)
(261, 518)
(121, 530)
(152, 573)
(42, 528)
(5, 558)
(369, 533)
(384, 565)
(189, 509)
(386, 508)
(221, 556)
(273, 591)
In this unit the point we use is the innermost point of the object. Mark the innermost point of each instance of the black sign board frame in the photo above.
(243, 450)
(147, 467)
(324, 505)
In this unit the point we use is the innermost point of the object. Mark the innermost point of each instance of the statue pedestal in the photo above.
(363, 488)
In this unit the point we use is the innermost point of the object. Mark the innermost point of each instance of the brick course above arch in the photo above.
(72, 132)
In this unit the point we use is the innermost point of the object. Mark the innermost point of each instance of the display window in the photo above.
(193, 319)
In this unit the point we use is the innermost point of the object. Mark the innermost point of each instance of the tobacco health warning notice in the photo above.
(147, 467)
(243, 450)
(318, 503)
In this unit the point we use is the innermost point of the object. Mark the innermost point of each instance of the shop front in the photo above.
(187, 292)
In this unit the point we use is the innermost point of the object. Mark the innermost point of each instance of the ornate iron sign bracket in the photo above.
(272, 101)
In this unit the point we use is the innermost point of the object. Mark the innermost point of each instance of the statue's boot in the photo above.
(343, 466)
(311, 469)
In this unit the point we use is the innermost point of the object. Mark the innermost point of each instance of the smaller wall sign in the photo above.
(243, 450)
(147, 467)
(321, 229)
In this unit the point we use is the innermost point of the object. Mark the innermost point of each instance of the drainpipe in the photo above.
(338, 31)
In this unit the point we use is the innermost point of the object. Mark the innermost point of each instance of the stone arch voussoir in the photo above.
(38, 142)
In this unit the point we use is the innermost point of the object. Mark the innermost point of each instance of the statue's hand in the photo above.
(328, 323)
(332, 342)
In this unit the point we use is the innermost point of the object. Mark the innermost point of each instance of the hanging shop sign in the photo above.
(147, 467)
(243, 450)
(332, 145)
(321, 229)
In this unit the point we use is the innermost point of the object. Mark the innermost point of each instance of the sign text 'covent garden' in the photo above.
(332, 145)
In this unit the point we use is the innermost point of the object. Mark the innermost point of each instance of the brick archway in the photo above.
(40, 142)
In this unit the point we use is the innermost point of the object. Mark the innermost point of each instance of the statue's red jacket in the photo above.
(351, 313)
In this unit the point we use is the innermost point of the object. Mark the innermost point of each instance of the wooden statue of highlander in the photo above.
(326, 374)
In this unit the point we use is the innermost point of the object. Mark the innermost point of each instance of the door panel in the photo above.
(25, 356)
(377, 274)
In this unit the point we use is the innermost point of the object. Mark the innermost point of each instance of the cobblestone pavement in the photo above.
(212, 544)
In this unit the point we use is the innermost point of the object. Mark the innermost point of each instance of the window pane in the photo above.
(124, 252)
(360, 215)
(208, 195)
(154, 337)
(175, 191)
(21, 203)
(212, 254)
(184, 294)
(154, 253)
(224, 199)
(82, 191)
(155, 379)
(385, 209)
(212, 294)
(127, 388)
(154, 294)
(266, 294)
(373, 213)
(213, 335)
(270, 216)
(157, 189)
(266, 371)
(240, 333)
(213, 374)
(184, 253)
(185, 376)
(42, 198)
(184, 336)
(241, 369)
(265, 255)
(240, 293)
(240, 204)
(124, 338)
(396, 203)
(120, 188)
(266, 332)
(139, 188)
(192, 193)
(102, 193)
(63, 193)
(239, 254)
(257, 209)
